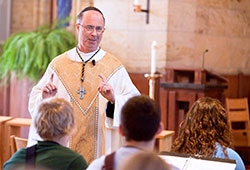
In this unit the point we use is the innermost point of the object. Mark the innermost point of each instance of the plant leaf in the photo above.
(28, 54)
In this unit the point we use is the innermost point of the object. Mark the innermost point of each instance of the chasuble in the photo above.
(95, 134)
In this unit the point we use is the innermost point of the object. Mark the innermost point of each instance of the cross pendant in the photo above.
(81, 92)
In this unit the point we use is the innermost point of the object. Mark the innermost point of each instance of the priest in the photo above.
(94, 82)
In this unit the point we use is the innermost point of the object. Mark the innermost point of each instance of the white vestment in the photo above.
(123, 90)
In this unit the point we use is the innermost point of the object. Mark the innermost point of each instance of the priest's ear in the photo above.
(121, 130)
(77, 27)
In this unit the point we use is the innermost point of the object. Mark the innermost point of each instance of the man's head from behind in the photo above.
(55, 119)
(140, 119)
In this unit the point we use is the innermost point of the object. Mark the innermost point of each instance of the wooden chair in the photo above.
(238, 119)
(13, 127)
(17, 143)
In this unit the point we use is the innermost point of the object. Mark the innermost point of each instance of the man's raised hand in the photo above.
(106, 89)
(50, 89)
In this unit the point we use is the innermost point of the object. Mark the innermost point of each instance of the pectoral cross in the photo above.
(81, 92)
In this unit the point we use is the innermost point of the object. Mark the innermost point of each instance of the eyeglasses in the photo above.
(90, 28)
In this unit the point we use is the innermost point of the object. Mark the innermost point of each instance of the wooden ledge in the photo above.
(164, 134)
(19, 122)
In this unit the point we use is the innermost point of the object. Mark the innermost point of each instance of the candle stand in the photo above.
(154, 81)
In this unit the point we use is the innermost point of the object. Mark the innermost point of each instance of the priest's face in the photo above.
(90, 30)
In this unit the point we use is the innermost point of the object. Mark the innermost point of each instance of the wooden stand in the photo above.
(13, 127)
(3, 141)
(164, 141)
(183, 86)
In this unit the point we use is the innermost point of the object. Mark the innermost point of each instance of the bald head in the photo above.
(90, 8)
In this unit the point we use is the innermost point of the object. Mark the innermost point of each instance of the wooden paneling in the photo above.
(232, 90)
(19, 97)
(244, 85)
(14, 99)
(238, 86)
(4, 98)
(140, 82)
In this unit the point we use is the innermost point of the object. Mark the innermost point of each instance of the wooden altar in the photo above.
(182, 87)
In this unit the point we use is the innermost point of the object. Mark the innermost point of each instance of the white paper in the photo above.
(189, 163)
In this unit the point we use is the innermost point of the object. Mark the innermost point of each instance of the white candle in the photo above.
(153, 57)
(136, 2)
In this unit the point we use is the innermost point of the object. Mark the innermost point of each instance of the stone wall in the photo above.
(221, 26)
(129, 37)
(28, 15)
(183, 29)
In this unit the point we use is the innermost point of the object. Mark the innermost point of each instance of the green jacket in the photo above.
(49, 155)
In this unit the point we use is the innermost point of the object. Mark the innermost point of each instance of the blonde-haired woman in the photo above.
(55, 124)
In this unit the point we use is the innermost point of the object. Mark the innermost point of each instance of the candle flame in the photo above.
(154, 44)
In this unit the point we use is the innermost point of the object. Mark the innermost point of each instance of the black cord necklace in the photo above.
(85, 62)
(82, 91)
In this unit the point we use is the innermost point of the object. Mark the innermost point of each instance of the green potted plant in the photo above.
(28, 54)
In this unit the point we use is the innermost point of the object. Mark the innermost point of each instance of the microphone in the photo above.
(93, 62)
(203, 57)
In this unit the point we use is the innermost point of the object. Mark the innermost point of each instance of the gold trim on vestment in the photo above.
(86, 110)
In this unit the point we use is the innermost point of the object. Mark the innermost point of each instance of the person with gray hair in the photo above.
(94, 81)
(55, 124)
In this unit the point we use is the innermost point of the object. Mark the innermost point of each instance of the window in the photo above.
(5, 11)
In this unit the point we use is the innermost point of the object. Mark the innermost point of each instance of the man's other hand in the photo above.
(106, 89)
(50, 89)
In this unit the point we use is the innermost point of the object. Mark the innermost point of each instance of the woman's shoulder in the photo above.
(232, 154)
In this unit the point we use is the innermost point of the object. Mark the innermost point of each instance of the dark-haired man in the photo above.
(80, 75)
(140, 123)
